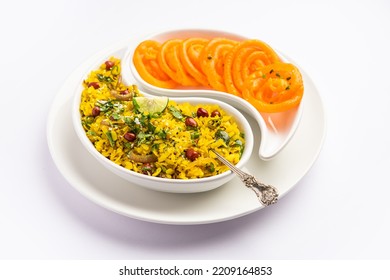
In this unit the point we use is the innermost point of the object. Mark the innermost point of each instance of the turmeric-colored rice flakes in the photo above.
(173, 143)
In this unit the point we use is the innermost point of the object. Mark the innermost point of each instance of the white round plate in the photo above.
(230, 201)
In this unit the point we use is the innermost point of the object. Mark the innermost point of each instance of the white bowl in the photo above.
(164, 184)
(277, 129)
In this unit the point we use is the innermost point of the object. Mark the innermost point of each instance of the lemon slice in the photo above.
(151, 105)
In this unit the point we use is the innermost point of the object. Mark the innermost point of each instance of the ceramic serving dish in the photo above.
(165, 184)
(277, 129)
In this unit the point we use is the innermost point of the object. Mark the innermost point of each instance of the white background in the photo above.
(339, 210)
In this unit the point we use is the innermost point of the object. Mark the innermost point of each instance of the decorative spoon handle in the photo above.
(266, 194)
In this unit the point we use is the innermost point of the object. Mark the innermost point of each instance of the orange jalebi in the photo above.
(250, 69)
(145, 61)
(274, 88)
(190, 51)
(170, 63)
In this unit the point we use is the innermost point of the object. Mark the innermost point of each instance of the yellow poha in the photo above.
(172, 144)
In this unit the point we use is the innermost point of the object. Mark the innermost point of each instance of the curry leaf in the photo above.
(176, 112)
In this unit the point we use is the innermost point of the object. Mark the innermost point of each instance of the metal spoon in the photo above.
(266, 194)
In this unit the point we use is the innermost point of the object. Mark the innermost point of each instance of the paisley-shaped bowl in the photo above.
(277, 129)
(165, 184)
